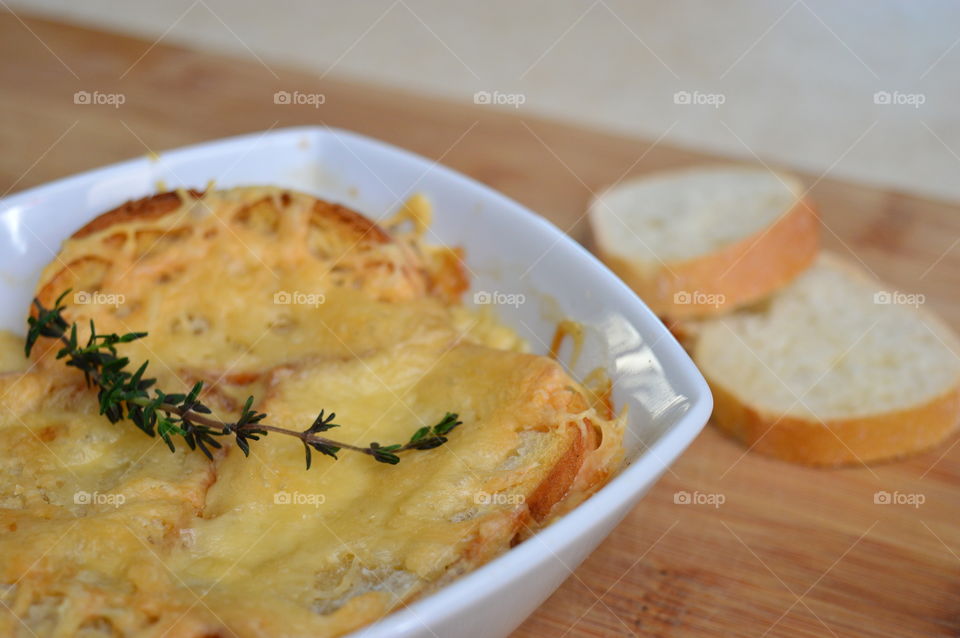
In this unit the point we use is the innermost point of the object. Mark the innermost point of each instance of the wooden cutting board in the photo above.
(791, 551)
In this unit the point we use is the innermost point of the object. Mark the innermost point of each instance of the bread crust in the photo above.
(837, 442)
(840, 441)
(154, 206)
(555, 485)
(149, 207)
(442, 277)
(737, 275)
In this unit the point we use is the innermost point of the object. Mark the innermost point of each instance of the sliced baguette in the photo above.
(832, 370)
(704, 241)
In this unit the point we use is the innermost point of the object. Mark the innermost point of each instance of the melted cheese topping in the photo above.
(11, 352)
(104, 532)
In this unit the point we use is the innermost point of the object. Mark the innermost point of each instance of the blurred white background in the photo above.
(863, 90)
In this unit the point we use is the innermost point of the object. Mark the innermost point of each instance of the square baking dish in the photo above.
(514, 256)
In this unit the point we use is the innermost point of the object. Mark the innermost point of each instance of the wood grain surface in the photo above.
(791, 551)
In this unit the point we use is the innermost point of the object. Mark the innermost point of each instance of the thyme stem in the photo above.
(126, 395)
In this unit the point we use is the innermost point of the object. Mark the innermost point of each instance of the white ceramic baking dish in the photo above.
(514, 255)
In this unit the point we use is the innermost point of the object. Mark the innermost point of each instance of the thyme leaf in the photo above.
(125, 395)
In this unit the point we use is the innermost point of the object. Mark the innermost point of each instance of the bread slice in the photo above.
(380, 537)
(706, 240)
(338, 241)
(833, 370)
(532, 439)
(162, 264)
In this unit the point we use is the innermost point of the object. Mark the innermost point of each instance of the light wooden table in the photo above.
(791, 551)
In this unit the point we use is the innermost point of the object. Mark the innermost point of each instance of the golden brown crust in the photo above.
(737, 275)
(839, 441)
(149, 207)
(557, 483)
(541, 503)
(86, 271)
(352, 243)
(351, 223)
(448, 274)
(154, 206)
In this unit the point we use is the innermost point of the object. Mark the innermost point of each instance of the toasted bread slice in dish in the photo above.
(386, 537)
(835, 369)
(87, 511)
(164, 264)
(704, 241)
(343, 244)
(270, 547)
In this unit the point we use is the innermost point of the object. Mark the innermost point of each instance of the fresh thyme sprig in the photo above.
(124, 394)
